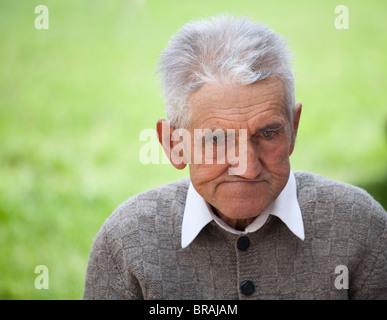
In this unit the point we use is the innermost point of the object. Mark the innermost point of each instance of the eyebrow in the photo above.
(210, 134)
(270, 126)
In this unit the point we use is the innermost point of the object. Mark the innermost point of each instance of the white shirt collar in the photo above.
(198, 213)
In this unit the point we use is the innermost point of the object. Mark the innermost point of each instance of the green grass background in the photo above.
(74, 99)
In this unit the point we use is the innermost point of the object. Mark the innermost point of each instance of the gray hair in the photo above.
(222, 49)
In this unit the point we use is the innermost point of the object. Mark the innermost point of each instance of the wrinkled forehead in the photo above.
(238, 106)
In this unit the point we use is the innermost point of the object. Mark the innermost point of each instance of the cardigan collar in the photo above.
(198, 213)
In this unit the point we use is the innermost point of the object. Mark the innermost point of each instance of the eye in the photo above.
(268, 134)
(218, 138)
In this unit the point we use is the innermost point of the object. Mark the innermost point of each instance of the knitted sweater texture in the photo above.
(137, 254)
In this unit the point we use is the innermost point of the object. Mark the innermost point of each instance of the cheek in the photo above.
(277, 160)
(205, 173)
(203, 178)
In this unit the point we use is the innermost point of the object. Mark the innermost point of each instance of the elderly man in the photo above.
(231, 231)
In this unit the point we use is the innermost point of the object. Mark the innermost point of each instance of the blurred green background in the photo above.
(74, 99)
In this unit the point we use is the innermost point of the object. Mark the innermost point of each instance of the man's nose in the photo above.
(249, 165)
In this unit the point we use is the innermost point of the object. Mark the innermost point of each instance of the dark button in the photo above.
(243, 243)
(247, 287)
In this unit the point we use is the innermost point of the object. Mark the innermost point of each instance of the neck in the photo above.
(237, 224)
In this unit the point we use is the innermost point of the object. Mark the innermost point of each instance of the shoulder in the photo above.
(148, 211)
(307, 181)
(320, 196)
(313, 187)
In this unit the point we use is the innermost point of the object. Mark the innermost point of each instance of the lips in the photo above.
(243, 181)
(240, 188)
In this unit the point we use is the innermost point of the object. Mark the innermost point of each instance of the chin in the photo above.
(242, 210)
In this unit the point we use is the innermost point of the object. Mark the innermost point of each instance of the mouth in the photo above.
(243, 181)
(239, 185)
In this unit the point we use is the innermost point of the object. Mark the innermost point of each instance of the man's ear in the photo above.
(164, 133)
(296, 121)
